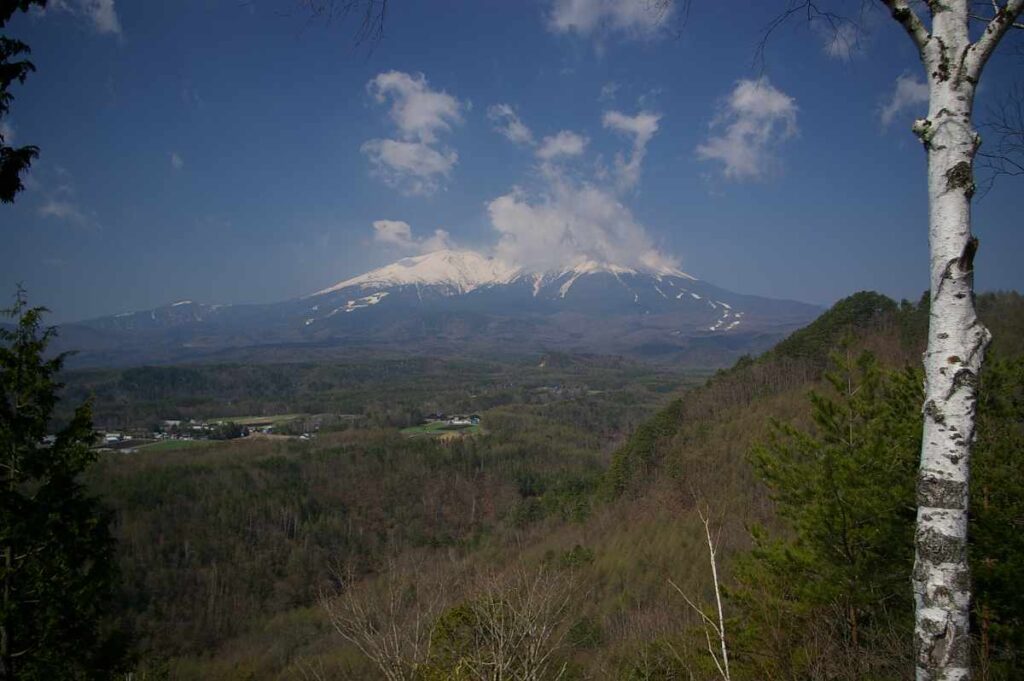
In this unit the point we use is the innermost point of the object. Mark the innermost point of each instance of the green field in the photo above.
(439, 428)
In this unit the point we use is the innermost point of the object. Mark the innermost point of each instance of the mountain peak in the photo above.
(595, 266)
(462, 270)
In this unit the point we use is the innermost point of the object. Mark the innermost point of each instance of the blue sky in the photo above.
(238, 152)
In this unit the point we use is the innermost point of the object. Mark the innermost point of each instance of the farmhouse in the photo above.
(461, 420)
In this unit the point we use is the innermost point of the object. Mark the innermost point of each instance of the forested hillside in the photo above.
(306, 560)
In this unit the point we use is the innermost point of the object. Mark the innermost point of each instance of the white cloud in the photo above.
(842, 42)
(631, 18)
(416, 163)
(564, 143)
(399, 234)
(569, 224)
(414, 168)
(394, 232)
(63, 210)
(568, 219)
(641, 128)
(608, 91)
(507, 122)
(753, 122)
(101, 13)
(419, 112)
(909, 94)
(58, 194)
(437, 241)
(177, 162)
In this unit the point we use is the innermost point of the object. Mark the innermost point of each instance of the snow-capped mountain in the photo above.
(455, 271)
(462, 301)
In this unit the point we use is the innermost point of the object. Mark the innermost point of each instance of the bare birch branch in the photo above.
(978, 53)
(721, 659)
(906, 17)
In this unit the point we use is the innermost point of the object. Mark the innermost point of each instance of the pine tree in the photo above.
(827, 599)
(56, 551)
(837, 584)
(997, 522)
(13, 68)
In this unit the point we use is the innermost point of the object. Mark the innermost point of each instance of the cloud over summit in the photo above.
(398, 233)
(567, 225)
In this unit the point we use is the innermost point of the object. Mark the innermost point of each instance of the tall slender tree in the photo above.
(956, 338)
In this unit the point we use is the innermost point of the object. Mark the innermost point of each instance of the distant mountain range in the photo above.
(455, 302)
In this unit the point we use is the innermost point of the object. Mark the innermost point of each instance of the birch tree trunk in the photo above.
(956, 348)
(956, 338)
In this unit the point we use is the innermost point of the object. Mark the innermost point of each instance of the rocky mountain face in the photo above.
(461, 302)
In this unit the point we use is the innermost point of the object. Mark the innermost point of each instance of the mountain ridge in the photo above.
(460, 301)
(465, 270)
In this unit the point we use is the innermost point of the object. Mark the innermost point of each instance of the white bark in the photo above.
(956, 338)
(721, 663)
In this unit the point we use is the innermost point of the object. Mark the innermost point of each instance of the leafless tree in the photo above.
(1003, 154)
(389, 620)
(714, 631)
(371, 16)
(517, 627)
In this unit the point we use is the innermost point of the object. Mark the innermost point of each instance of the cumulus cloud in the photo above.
(641, 128)
(746, 133)
(563, 144)
(177, 162)
(507, 122)
(394, 232)
(417, 111)
(414, 168)
(399, 234)
(565, 219)
(101, 13)
(570, 224)
(636, 19)
(909, 94)
(416, 162)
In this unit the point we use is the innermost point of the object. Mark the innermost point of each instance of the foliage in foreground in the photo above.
(57, 569)
(829, 598)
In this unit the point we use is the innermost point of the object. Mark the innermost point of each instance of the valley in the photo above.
(588, 469)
